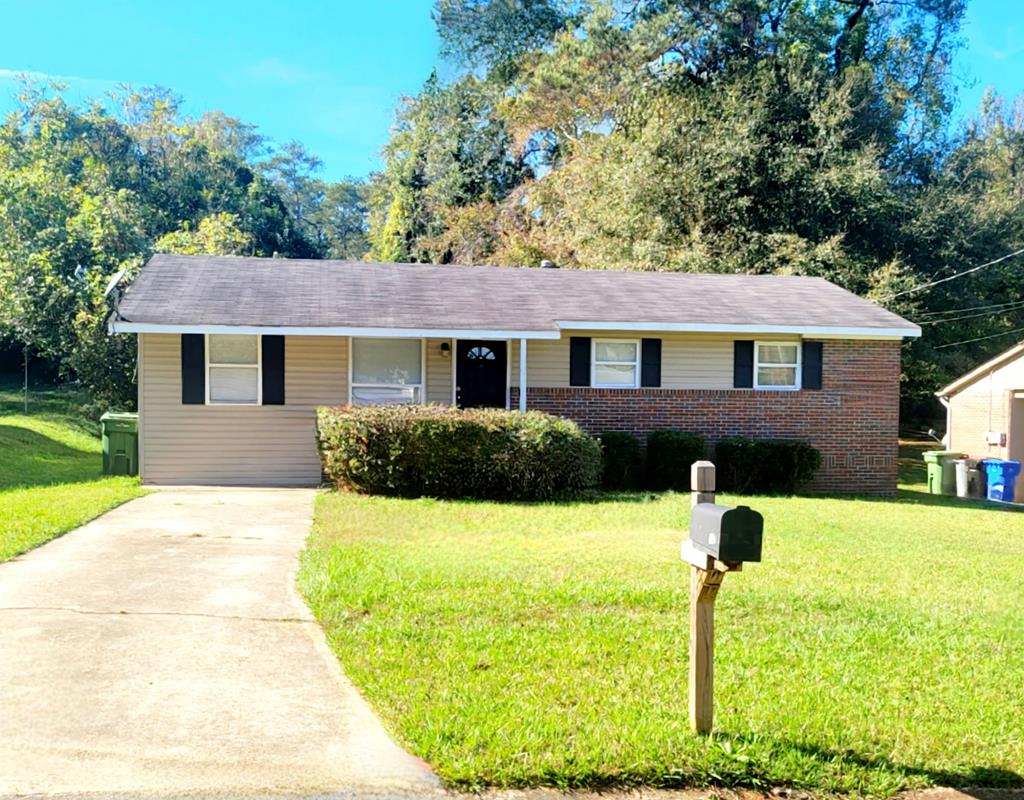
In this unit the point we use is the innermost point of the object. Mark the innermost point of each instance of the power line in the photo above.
(924, 286)
(979, 339)
(1014, 307)
(990, 307)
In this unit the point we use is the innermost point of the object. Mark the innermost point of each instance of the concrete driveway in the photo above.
(162, 649)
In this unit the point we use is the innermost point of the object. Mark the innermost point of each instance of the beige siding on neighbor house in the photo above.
(989, 405)
(688, 360)
(243, 445)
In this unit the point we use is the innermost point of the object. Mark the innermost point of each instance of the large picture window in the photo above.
(233, 369)
(387, 371)
(616, 364)
(777, 365)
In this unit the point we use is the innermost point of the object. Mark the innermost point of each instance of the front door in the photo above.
(481, 371)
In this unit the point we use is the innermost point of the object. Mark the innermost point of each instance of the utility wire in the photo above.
(991, 307)
(924, 286)
(1016, 307)
(979, 339)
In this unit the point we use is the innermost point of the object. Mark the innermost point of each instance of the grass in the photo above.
(50, 469)
(879, 646)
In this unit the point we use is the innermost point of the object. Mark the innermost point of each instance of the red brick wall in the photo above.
(853, 419)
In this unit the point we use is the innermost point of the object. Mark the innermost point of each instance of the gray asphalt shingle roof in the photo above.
(266, 292)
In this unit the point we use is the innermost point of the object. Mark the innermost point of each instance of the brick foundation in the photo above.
(853, 419)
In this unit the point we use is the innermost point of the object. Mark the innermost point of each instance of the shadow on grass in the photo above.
(32, 459)
(63, 405)
(980, 776)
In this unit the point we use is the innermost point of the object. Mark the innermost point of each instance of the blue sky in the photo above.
(324, 72)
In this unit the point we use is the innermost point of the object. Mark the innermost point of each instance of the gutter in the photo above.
(118, 325)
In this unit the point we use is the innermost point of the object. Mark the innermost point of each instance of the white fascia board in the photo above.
(817, 331)
(123, 326)
(979, 372)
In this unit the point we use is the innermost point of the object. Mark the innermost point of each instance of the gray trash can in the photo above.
(969, 482)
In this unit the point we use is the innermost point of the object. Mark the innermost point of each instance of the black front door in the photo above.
(481, 370)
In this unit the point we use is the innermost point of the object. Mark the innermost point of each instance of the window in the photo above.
(480, 353)
(387, 371)
(777, 365)
(233, 369)
(616, 363)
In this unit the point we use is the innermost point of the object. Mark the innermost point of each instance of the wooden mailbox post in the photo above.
(706, 574)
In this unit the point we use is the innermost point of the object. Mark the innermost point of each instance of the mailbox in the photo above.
(728, 534)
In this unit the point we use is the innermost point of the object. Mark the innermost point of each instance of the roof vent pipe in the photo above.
(545, 264)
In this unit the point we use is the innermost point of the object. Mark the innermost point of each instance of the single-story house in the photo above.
(235, 355)
(985, 408)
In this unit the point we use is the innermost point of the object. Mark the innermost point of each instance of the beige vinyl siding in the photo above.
(688, 360)
(241, 445)
(986, 405)
(439, 372)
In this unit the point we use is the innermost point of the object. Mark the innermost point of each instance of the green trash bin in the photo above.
(942, 470)
(120, 443)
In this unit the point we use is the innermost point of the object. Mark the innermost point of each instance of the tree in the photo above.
(495, 34)
(716, 135)
(216, 235)
(450, 149)
(340, 221)
(84, 193)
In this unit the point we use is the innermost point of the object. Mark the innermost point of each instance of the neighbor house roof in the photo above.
(961, 383)
(214, 293)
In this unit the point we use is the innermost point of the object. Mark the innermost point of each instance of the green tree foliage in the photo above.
(496, 34)
(450, 150)
(216, 235)
(86, 191)
(333, 216)
(782, 136)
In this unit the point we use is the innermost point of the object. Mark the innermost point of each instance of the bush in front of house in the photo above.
(622, 464)
(437, 451)
(764, 466)
(670, 454)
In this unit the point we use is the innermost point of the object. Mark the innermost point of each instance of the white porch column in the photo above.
(522, 374)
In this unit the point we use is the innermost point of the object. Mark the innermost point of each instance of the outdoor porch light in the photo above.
(446, 350)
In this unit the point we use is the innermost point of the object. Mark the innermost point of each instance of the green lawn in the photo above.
(880, 644)
(50, 470)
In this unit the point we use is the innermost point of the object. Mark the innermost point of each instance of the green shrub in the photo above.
(764, 466)
(437, 451)
(621, 461)
(670, 453)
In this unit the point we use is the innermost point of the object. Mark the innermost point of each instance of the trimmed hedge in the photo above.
(670, 454)
(622, 461)
(438, 451)
(764, 466)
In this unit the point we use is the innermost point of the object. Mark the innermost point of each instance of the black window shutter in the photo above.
(811, 366)
(743, 364)
(193, 368)
(650, 362)
(273, 370)
(579, 361)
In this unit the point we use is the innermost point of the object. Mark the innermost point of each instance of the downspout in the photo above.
(947, 439)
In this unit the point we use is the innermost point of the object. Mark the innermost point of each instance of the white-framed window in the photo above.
(233, 369)
(386, 371)
(615, 363)
(777, 365)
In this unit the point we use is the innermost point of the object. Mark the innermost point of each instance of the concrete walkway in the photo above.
(162, 649)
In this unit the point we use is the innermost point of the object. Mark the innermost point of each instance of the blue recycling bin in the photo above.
(1002, 477)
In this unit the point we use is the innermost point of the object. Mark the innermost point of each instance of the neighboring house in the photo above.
(985, 408)
(235, 354)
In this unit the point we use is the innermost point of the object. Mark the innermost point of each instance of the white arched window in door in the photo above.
(480, 353)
